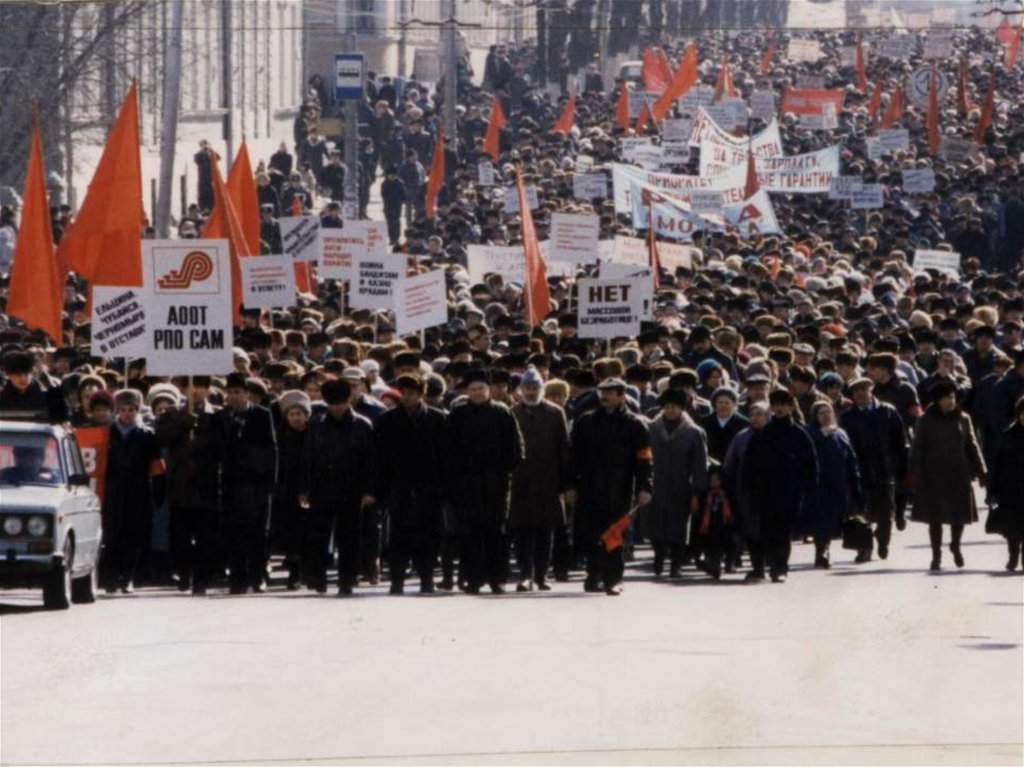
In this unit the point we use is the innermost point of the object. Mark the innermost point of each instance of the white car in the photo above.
(50, 524)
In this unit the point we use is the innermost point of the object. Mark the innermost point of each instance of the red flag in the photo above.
(105, 243)
(1003, 33)
(684, 79)
(655, 73)
(894, 111)
(724, 86)
(303, 269)
(436, 178)
(241, 186)
(36, 282)
(614, 536)
(862, 75)
(986, 112)
(568, 118)
(223, 224)
(644, 120)
(932, 120)
(873, 106)
(652, 242)
(769, 54)
(1013, 48)
(752, 185)
(535, 287)
(492, 139)
(622, 109)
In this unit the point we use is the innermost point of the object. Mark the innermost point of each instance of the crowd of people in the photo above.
(810, 385)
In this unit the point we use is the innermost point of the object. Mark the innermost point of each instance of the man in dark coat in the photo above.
(484, 448)
(23, 396)
(339, 484)
(133, 460)
(877, 435)
(204, 177)
(411, 453)
(246, 449)
(724, 424)
(392, 195)
(781, 468)
(188, 440)
(611, 461)
(540, 481)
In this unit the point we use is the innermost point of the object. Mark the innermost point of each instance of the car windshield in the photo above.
(29, 459)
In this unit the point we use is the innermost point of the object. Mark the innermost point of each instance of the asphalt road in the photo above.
(880, 663)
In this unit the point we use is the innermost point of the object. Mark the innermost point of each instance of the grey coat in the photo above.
(944, 460)
(680, 473)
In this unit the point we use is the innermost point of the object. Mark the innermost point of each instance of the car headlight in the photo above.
(12, 525)
(37, 525)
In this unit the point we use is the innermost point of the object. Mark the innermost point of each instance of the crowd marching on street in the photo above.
(801, 373)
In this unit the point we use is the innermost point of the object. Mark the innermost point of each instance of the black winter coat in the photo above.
(341, 463)
(411, 461)
(247, 456)
(781, 467)
(1008, 478)
(128, 497)
(720, 437)
(878, 439)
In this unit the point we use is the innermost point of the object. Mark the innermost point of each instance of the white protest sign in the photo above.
(421, 302)
(938, 45)
(631, 144)
(118, 321)
(829, 118)
(842, 186)
(920, 82)
(512, 198)
(698, 96)
(588, 186)
(809, 173)
(485, 174)
(848, 56)
(893, 140)
(707, 201)
(610, 308)
(940, 260)
(300, 237)
(574, 238)
(919, 181)
(898, 48)
(801, 49)
(649, 156)
(341, 248)
(267, 282)
(637, 99)
(726, 113)
(377, 276)
(731, 183)
(612, 271)
(584, 162)
(672, 256)
(873, 146)
(674, 153)
(677, 130)
(957, 150)
(509, 261)
(189, 309)
(868, 197)
(630, 250)
(762, 105)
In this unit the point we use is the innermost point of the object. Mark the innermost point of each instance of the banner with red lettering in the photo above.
(808, 101)
(675, 218)
(731, 184)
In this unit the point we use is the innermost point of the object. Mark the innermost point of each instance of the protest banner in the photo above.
(674, 218)
(574, 238)
(300, 237)
(630, 145)
(919, 181)
(589, 186)
(762, 105)
(268, 282)
(873, 148)
(814, 82)
(920, 82)
(584, 162)
(339, 249)
(941, 260)
(868, 197)
(677, 130)
(898, 47)
(508, 261)
(842, 186)
(731, 183)
(674, 153)
(672, 256)
(118, 321)
(698, 96)
(630, 250)
(896, 139)
(707, 201)
(610, 308)
(637, 99)
(728, 113)
(485, 174)
(512, 198)
(957, 150)
(377, 277)
(938, 45)
(806, 101)
(801, 49)
(94, 444)
(810, 173)
(612, 271)
(649, 156)
(188, 310)
(421, 302)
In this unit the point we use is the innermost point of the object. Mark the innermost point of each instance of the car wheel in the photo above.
(57, 587)
(83, 590)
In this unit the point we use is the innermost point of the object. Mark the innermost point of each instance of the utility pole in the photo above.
(227, 90)
(451, 67)
(403, 24)
(542, 45)
(169, 127)
(351, 114)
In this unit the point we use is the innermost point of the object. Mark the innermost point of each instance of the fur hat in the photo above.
(295, 398)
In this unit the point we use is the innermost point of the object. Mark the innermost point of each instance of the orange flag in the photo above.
(436, 178)
(894, 111)
(932, 120)
(769, 54)
(105, 243)
(223, 224)
(752, 186)
(684, 79)
(613, 537)
(302, 269)
(873, 106)
(492, 139)
(655, 73)
(1013, 48)
(643, 121)
(568, 118)
(862, 75)
(724, 86)
(36, 282)
(986, 112)
(1003, 33)
(535, 286)
(622, 109)
(241, 186)
(962, 102)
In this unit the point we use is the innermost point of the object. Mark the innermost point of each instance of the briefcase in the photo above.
(857, 534)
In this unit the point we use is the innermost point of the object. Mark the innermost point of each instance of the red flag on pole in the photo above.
(436, 178)
(302, 269)
(894, 111)
(962, 102)
(684, 79)
(568, 118)
(769, 54)
(492, 139)
(986, 112)
(656, 74)
(862, 75)
(752, 186)
(652, 242)
(36, 294)
(105, 243)
(932, 121)
(644, 120)
(223, 224)
(1003, 32)
(724, 86)
(873, 106)
(1013, 48)
(622, 109)
(535, 286)
(241, 186)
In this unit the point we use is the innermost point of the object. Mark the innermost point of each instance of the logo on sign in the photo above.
(195, 267)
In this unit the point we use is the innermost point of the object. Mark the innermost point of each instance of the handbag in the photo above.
(995, 522)
(857, 534)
